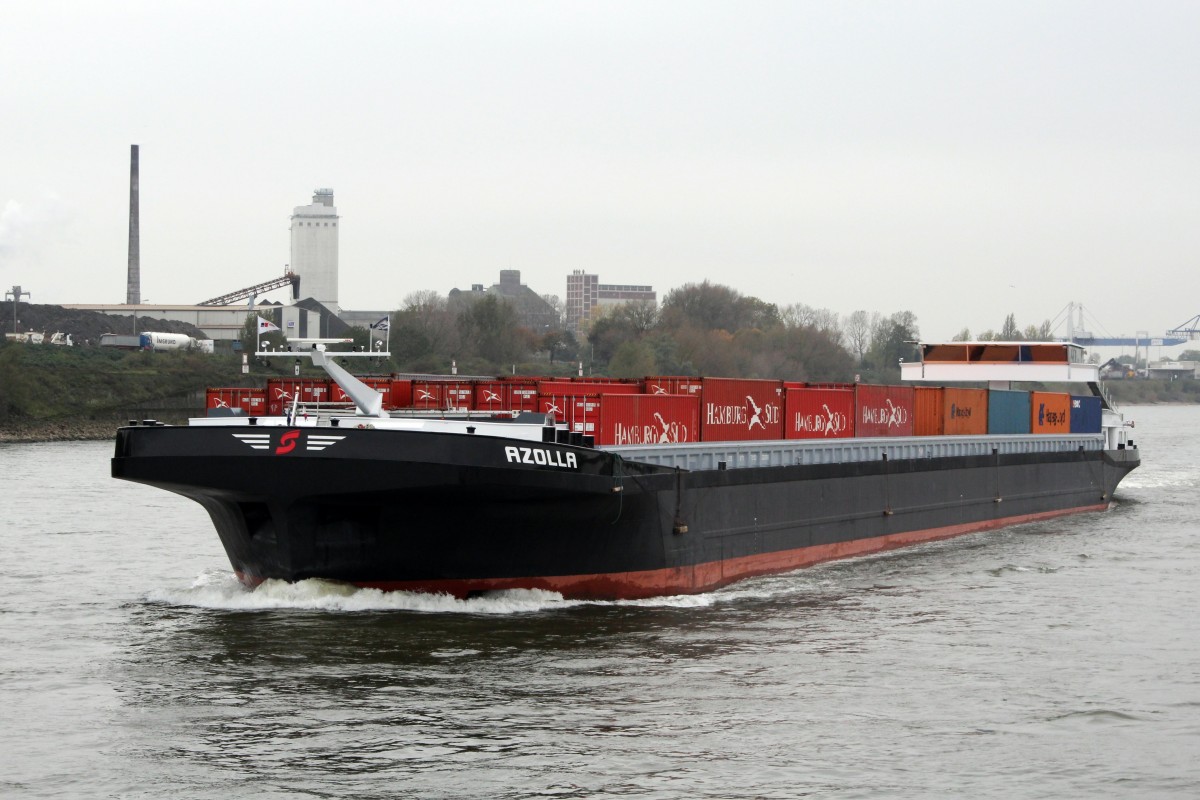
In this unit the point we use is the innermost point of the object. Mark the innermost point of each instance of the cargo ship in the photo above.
(629, 489)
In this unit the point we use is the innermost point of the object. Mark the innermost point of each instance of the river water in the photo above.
(1058, 659)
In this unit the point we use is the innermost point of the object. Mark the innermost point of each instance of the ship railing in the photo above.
(775, 453)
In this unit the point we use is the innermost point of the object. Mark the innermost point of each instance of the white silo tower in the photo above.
(315, 249)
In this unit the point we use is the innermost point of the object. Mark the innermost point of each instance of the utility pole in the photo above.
(16, 295)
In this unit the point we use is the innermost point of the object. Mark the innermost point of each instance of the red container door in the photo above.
(929, 411)
(522, 396)
(818, 413)
(733, 409)
(1050, 412)
(252, 402)
(429, 395)
(491, 395)
(460, 395)
(648, 419)
(402, 392)
(965, 412)
(883, 410)
(281, 392)
(381, 385)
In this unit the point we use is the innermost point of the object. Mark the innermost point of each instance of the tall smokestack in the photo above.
(133, 287)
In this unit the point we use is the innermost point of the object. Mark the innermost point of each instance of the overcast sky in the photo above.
(960, 160)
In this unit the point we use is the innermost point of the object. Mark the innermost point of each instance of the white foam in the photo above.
(221, 590)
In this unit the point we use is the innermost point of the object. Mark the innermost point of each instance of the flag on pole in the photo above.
(266, 326)
(382, 325)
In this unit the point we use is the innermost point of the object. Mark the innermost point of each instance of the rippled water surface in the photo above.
(1057, 659)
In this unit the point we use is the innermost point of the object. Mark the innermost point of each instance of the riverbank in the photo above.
(58, 431)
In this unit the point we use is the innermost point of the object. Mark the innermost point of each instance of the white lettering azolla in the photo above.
(541, 456)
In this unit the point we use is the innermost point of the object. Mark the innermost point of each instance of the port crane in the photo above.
(1079, 335)
(1190, 329)
(287, 278)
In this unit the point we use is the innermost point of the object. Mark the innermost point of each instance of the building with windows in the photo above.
(585, 293)
(315, 249)
(533, 311)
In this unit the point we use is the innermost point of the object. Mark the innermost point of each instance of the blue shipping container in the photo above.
(1085, 414)
(1008, 411)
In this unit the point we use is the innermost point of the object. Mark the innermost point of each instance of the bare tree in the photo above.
(857, 332)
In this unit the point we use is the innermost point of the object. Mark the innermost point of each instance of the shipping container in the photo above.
(883, 410)
(928, 417)
(585, 388)
(252, 402)
(818, 413)
(442, 395)
(1008, 411)
(281, 392)
(1050, 412)
(522, 395)
(949, 411)
(648, 419)
(736, 409)
(402, 392)
(383, 385)
(578, 403)
(492, 395)
(1086, 414)
(672, 384)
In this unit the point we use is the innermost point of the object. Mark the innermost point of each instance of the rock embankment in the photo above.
(58, 431)
(74, 430)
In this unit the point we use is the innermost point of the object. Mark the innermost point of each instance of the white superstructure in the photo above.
(315, 248)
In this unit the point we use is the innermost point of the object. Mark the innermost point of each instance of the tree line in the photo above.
(697, 329)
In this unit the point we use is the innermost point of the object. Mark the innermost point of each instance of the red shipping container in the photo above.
(818, 413)
(580, 413)
(282, 391)
(491, 395)
(251, 401)
(379, 384)
(585, 388)
(442, 395)
(672, 384)
(648, 419)
(883, 410)
(735, 409)
(522, 395)
(1050, 412)
(402, 392)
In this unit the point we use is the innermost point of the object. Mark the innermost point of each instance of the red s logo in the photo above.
(287, 442)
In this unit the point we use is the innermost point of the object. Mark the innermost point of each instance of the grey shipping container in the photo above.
(1008, 411)
(1085, 414)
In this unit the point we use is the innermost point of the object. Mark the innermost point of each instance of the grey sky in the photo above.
(959, 160)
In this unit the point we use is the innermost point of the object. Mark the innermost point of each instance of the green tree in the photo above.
(633, 359)
(490, 331)
(709, 306)
(893, 340)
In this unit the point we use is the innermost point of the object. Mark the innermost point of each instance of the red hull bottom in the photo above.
(699, 577)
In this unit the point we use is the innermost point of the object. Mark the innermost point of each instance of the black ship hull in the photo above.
(463, 514)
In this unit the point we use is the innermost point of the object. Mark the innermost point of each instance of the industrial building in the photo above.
(585, 293)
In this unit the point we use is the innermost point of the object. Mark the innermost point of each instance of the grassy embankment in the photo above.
(49, 393)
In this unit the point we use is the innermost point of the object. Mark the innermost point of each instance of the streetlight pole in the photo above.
(16, 295)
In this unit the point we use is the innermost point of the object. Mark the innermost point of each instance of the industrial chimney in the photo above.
(133, 285)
